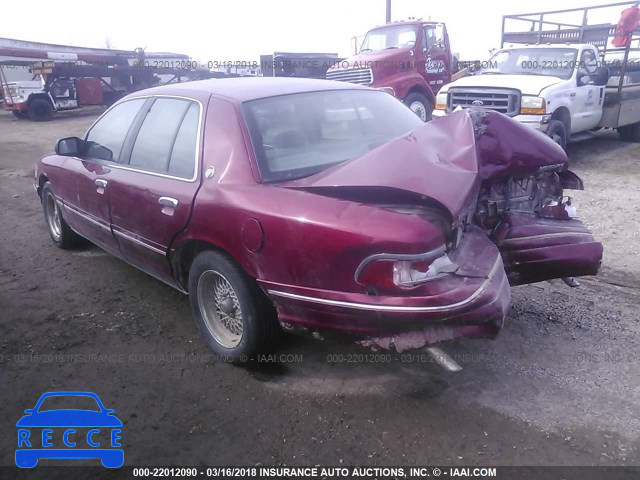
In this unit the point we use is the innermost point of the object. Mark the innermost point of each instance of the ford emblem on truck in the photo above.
(477, 103)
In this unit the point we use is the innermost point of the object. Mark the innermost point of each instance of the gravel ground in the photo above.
(560, 385)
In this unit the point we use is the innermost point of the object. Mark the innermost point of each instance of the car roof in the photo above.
(243, 89)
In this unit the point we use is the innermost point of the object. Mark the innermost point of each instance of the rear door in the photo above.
(84, 193)
(152, 194)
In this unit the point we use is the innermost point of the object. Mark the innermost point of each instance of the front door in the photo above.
(152, 194)
(588, 98)
(435, 63)
(85, 195)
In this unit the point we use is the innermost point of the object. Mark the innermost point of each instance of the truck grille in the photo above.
(503, 100)
(361, 76)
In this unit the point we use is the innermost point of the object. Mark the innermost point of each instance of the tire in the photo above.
(630, 133)
(60, 231)
(218, 285)
(558, 133)
(21, 114)
(40, 110)
(420, 105)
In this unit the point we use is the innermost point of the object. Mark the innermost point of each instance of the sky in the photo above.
(241, 30)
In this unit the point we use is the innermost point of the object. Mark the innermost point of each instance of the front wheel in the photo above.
(40, 110)
(420, 105)
(558, 133)
(231, 311)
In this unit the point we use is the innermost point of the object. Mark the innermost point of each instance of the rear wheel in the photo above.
(40, 110)
(420, 105)
(558, 133)
(60, 231)
(231, 311)
(630, 133)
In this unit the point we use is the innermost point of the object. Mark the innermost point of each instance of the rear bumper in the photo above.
(545, 249)
(470, 303)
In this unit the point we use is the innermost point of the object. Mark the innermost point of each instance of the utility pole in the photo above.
(388, 11)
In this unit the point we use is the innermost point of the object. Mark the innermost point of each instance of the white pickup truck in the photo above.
(558, 90)
(560, 74)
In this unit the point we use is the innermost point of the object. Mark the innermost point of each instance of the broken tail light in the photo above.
(402, 272)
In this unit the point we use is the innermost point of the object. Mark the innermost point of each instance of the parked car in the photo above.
(319, 206)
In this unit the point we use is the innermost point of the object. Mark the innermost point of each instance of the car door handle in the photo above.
(101, 183)
(168, 202)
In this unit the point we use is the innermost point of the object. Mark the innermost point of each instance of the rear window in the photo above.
(297, 135)
(167, 139)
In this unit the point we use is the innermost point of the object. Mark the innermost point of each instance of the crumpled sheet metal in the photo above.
(447, 158)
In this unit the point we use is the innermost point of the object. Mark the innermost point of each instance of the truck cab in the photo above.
(557, 89)
(408, 59)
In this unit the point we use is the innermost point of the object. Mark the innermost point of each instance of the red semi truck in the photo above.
(409, 59)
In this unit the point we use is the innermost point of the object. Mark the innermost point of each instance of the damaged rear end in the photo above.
(523, 203)
(496, 192)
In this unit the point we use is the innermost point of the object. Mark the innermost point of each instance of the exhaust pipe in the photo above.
(443, 359)
(571, 281)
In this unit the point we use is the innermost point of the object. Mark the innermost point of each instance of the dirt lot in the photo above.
(560, 385)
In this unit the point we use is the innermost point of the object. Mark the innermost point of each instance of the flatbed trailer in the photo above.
(621, 106)
(70, 85)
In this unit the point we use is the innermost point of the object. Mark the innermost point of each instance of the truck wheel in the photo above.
(231, 311)
(558, 133)
(21, 114)
(40, 110)
(420, 105)
(630, 133)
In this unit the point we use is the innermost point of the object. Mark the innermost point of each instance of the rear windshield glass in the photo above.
(297, 135)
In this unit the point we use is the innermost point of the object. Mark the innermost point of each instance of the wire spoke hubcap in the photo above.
(220, 308)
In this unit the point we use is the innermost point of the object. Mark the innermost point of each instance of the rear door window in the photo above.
(183, 155)
(166, 141)
(105, 139)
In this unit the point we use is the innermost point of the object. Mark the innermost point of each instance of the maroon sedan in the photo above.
(319, 206)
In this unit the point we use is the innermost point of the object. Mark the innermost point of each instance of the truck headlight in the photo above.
(533, 105)
(441, 101)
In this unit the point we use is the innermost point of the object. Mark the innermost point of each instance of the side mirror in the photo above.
(70, 146)
(601, 77)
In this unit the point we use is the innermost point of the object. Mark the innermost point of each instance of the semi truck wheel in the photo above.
(420, 105)
(21, 114)
(40, 110)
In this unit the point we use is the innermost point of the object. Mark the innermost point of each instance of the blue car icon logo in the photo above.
(69, 425)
